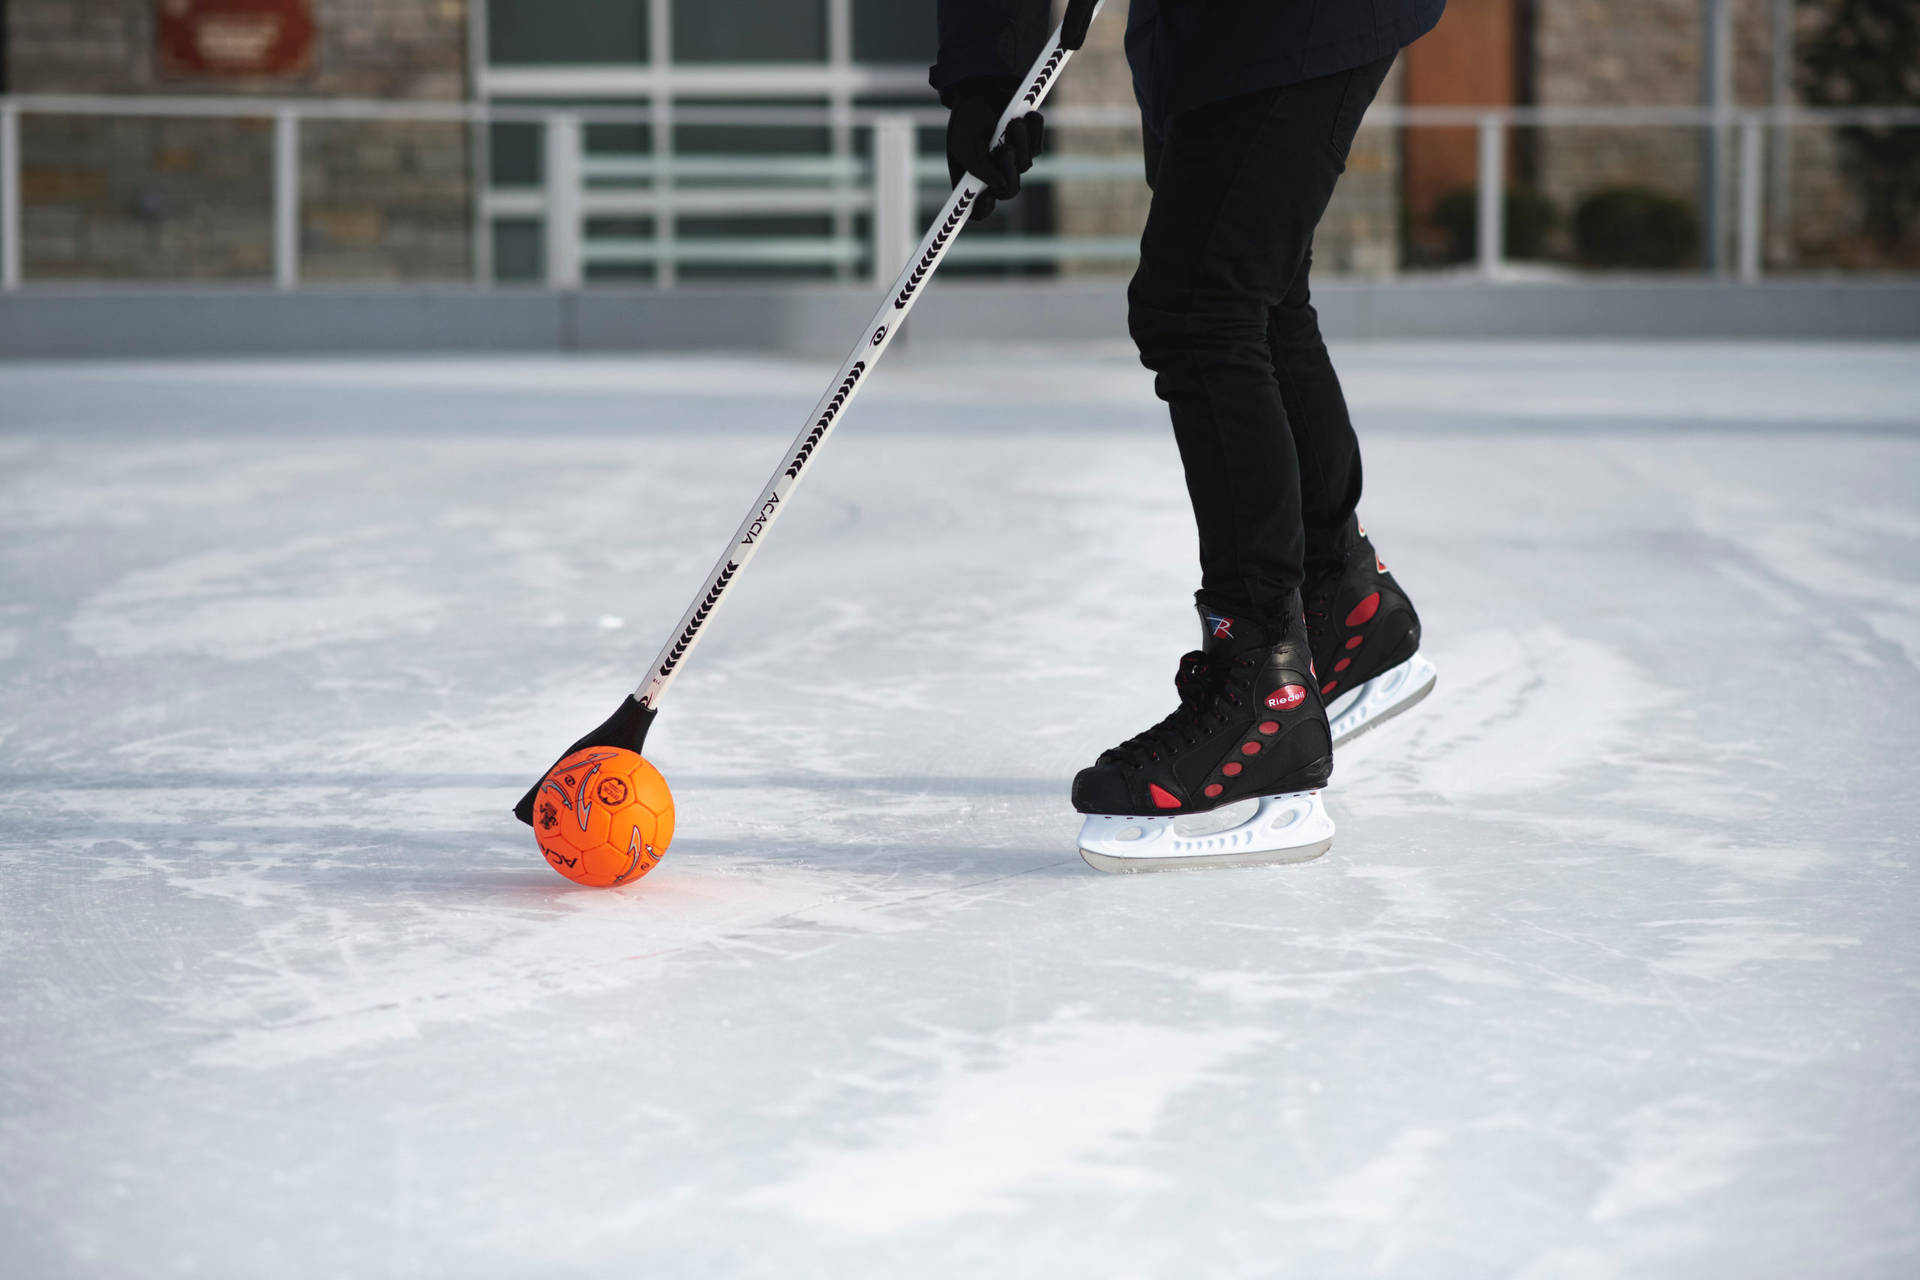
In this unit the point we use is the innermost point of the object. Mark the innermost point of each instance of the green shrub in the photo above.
(1635, 226)
(1530, 219)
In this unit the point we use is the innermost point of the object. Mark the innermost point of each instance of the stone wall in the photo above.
(121, 198)
(1620, 53)
(1646, 53)
(127, 199)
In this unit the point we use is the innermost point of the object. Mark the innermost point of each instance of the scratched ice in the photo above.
(1614, 969)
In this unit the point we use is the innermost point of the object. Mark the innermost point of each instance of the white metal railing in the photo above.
(10, 255)
(887, 185)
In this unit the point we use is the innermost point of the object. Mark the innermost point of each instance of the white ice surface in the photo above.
(1614, 969)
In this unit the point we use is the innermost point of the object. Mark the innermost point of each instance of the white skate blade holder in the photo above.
(1380, 699)
(1261, 831)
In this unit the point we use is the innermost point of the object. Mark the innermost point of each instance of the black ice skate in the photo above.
(1366, 641)
(1232, 777)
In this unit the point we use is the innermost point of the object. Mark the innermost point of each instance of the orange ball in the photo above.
(603, 816)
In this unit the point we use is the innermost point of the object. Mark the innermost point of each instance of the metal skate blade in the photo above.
(1251, 833)
(1380, 699)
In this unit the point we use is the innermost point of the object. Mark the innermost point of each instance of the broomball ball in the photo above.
(603, 816)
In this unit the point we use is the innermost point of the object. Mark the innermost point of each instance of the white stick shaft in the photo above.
(875, 340)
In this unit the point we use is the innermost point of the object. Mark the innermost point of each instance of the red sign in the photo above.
(242, 38)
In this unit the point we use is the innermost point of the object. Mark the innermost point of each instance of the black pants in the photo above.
(1219, 309)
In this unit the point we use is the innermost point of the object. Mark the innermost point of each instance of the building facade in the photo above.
(124, 197)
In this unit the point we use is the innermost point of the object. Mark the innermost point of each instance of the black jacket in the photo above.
(1187, 53)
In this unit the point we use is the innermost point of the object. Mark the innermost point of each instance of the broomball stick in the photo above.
(589, 778)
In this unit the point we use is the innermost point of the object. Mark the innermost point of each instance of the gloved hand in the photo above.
(976, 107)
(1073, 27)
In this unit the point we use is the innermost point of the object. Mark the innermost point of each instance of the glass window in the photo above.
(547, 32)
(754, 139)
(750, 31)
(894, 31)
(519, 250)
(516, 154)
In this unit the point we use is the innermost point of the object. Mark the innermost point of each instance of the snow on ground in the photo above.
(1614, 969)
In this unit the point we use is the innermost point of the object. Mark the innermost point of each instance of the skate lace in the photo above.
(1318, 607)
(1208, 688)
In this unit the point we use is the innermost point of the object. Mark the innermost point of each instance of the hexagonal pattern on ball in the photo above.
(604, 817)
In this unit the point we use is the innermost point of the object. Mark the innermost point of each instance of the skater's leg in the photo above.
(1327, 450)
(1233, 774)
(1324, 442)
(1239, 189)
(1364, 632)
(1197, 311)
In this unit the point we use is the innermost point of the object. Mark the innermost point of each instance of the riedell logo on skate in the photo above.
(766, 514)
(681, 645)
(1286, 698)
(932, 255)
(826, 419)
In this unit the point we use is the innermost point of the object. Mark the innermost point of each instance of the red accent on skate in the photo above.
(1343, 664)
(1379, 565)
(1286, 698)
(1364, 611)
(1231, 768)
(1214, 789)
(1355, 642)
(1269, 726)
(1362, 528)
(1162, 799)
(1250, 749)
(1327, 688)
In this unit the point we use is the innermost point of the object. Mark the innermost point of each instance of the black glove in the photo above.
(976, 107)
(1073, 28)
